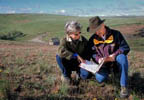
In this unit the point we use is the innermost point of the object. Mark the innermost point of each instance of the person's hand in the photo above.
(81, 59)
(110, 58)
(100, 60)
(74, 56)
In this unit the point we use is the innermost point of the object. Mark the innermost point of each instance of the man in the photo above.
(109, 45)
(71, 52)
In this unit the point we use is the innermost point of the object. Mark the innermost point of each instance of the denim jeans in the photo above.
(66, 69)
(122, 64)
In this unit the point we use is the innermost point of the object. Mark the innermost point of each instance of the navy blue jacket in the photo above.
(114, 43)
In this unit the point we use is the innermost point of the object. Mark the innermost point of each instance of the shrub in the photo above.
(12, 35)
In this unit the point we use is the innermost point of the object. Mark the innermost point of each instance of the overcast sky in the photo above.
(74, 7)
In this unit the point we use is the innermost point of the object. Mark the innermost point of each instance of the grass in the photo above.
(36, 24)
(30, 72)
(38, 77)
(137, 43)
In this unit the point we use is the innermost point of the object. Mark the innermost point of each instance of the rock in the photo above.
(54, 41)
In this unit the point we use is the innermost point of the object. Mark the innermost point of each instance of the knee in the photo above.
(59, 62)
(121, 59)
(84, 74)
(100, 78)
(58, 58)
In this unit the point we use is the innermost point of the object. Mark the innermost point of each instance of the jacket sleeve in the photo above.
(85, 54)
(63, 51)
(123, 45)
(89, 49)
(96, 58)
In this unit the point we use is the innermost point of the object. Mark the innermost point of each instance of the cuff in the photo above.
(96, 58)
(74, 55)
(119, 51)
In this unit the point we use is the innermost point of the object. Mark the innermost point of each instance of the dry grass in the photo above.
(31, 72)
(28, 71)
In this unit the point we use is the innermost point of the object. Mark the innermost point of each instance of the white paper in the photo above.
(91, 66)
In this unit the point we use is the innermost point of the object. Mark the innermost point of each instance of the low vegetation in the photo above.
(12, 35)
(28, 71)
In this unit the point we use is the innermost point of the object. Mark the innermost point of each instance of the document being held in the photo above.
(91, 66)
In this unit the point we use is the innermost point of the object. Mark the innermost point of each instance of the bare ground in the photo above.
(39, 39)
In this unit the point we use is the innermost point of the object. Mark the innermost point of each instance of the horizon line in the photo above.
(120, 15)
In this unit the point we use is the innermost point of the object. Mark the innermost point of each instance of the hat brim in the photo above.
(93, 30)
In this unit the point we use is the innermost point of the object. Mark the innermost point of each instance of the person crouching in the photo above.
(72, 51)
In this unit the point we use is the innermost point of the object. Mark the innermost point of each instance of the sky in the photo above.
(75, 7)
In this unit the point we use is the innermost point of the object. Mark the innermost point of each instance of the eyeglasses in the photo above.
(77, 33)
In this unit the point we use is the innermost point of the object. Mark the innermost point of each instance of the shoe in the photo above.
(124, 92)
(65, 79)
(75, 76)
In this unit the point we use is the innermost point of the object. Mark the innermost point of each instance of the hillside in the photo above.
(28, 70)
(35, 24)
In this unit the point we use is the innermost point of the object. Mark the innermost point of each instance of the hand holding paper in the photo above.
(91, 66)
(110, 58)
(81, 59)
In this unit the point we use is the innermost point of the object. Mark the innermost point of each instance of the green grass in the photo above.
(136, 43)
(35, 24)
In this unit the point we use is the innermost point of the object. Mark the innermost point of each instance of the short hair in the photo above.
(72, 26)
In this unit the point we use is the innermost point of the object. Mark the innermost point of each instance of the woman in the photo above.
(72, 51)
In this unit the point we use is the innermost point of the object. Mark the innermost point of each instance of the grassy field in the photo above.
(28, 71)
(34, 24)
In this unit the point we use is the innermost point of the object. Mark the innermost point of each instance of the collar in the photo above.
(69, 39)
(108, 40)
(106, 36)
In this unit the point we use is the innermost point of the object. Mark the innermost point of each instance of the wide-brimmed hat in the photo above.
(94, 24)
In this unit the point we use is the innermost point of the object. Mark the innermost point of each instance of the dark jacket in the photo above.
(114, 43)
(68, 47)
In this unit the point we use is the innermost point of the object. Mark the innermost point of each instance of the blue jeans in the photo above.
(122, 64)
(66, 69)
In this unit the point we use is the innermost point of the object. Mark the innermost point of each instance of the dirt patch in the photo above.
(129, 29)
(39, 38)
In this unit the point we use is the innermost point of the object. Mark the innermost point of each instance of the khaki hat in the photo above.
(94, 24)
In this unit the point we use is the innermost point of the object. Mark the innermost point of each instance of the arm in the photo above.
(123, 45)
(123, 48)
(85, 51)
(63, 52)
